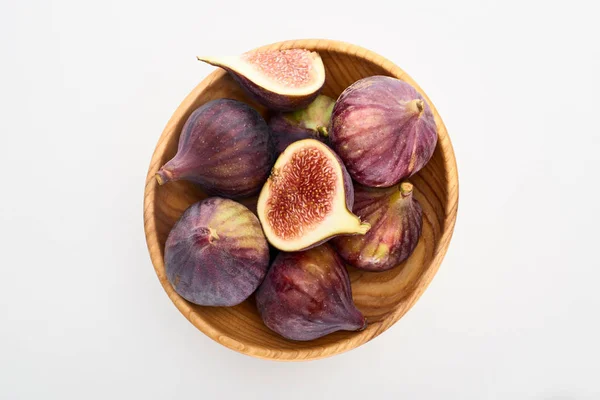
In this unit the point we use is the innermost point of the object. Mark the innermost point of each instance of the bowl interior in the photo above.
(382, 297)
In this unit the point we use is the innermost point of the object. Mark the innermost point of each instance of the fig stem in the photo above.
(364, 325)
(406, 188)
(323, 131)
(363, 228)
(420, 106)
(213, 234)
(163, 176)
(416, 106)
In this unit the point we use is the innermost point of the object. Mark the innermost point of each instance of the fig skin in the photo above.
(310, 122)
(396, 220)
(383, 130)
(271, 99)
(216, 254)
(250, 203)
(226, 147)
(307, 295)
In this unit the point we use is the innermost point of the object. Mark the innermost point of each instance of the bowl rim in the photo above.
(450, 213)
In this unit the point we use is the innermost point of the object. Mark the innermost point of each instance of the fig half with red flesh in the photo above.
(307, 198)
(281, 80)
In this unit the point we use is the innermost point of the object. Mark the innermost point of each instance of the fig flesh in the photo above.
(383, 130)
(216, 254)
(307, 198)
(310, 122)
(225, 147)
(307, 295)
(282, 80)
(396, 220)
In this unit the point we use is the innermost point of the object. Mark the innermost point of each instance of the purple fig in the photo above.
(308, 198)
(306, 295)
(249, 202)
(216, 254)
(282, 80)
(310, 122)
(383, 130)
(396, 220)
(225, 147)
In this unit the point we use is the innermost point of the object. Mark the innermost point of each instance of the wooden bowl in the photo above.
(383, 297)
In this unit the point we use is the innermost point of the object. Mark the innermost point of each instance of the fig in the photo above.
(383, 130)
(226, 147)
(307, 198)
(216, 254)
(307, 294)
(396, 220)
(310, 122)
(249, 202)
(282, 80)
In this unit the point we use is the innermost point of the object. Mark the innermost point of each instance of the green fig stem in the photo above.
(323, 131)
(406, 189)
(163, 176)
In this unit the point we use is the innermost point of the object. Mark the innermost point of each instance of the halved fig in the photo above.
(282, 80)
(307, 198)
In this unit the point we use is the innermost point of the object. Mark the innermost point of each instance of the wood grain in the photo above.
(383, 297)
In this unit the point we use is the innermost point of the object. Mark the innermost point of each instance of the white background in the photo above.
(85, 91)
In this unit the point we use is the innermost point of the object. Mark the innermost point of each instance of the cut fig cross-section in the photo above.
(307, 198)
(281, 80)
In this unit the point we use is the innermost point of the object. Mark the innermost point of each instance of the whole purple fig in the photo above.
(308, 123)
(383, 130)
(216, 254)
(396, 220)
(226, 147)
(307, 294)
